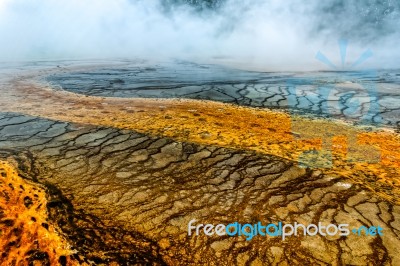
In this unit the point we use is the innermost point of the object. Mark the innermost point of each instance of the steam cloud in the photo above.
(262, 34)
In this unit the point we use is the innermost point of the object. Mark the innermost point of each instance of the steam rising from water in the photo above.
(263, 34)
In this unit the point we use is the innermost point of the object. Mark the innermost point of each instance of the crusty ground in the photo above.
(26, 235)
(354, 150)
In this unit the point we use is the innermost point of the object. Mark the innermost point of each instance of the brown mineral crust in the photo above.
(35, 218)
(132, 196)
(226, 125)
(147, 183)
(26, 235)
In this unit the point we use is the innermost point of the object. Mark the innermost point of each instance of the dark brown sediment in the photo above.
(370, 158)
(154, 186)
(44, 228)
(125, 176)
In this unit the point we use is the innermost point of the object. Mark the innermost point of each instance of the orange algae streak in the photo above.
(26, 236)
(368, 158)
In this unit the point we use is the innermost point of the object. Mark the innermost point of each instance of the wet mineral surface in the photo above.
(123, 177)
(368, 96)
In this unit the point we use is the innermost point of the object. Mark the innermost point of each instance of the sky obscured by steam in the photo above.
(262, 34)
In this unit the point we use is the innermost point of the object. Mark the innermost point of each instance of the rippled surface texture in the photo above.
(125, 173)
(329, 94)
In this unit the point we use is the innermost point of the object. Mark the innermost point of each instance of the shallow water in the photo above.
(369, 97)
